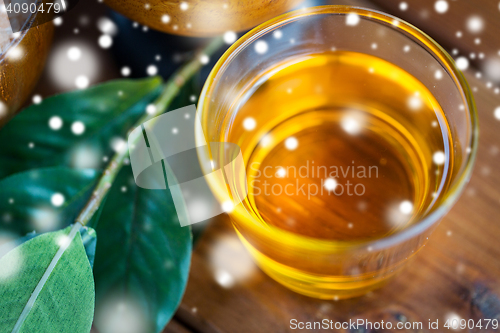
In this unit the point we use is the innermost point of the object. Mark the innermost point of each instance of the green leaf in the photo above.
(107, 111)
(143, 259)
(25, 200)
(46, 285)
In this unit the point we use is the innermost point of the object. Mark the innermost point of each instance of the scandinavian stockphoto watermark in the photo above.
(310, 179)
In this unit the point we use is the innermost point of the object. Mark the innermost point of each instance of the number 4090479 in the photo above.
(49, 7)
(456, 323)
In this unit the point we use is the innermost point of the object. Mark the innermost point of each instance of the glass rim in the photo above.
(450, 196)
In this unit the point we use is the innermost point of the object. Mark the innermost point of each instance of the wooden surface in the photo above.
(456, 274)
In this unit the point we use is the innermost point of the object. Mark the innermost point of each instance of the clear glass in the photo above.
(325, 268)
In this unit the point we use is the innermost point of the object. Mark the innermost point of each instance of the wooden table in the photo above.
(457, 274)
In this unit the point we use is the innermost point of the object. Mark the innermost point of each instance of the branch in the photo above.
(171, 90)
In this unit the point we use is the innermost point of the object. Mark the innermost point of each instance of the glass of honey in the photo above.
(358, 134)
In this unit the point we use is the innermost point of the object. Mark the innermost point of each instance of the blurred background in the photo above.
(457, 275)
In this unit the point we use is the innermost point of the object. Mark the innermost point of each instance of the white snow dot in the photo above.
(58, 21)
(15, 53)
(57, 199)
(291, 143)
(266, 140)
(352, 19)
(55, 123)
(78, 128)
(261, 47)
(107, 26)
(415, 102)
(277, 34)
(438, 74)
(459, 34)
(227, 206)
(249, 123)
(165, 18)
(374, 46)
(350, 125)
(281, 172)
(126, 71)
(492, 68)
(192, 98)
(406, 207)
(175, 130)
(330, 184)
(152, 70)
(496, 113)
(82, 82)
(63, 241)
(462, 63)
(204, 59)
(31, 145)
(37, 99)
(118, 144)
(124, 189)
(475, 24)
(150, 109)
(403, 6)
(224, 279)
(230, 37)
(477, 41)
(454, 320)
(3, 109)
(406, 49)
(438, 157)
(74, 53)
(441, 6)
(105, 41)
(184, 5)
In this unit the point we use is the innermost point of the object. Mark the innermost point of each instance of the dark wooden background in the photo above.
(457, 275)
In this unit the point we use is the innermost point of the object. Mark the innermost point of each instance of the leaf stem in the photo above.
(170, 91)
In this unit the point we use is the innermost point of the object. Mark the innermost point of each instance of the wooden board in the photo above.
(457, 274)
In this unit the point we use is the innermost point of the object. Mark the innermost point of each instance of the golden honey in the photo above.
(340, 148)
